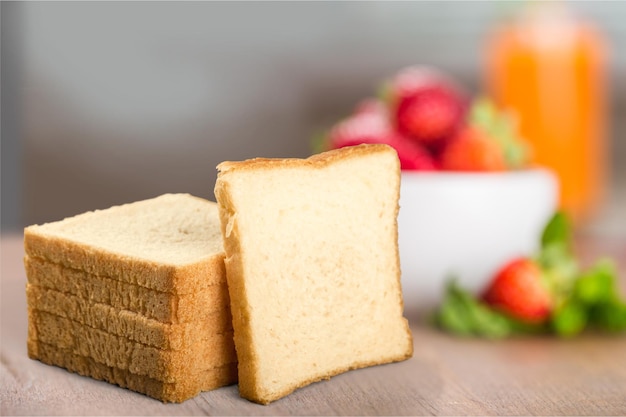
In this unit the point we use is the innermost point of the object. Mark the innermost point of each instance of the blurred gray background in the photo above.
(111, 102)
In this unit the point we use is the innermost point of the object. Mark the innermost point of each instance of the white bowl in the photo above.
(467, 225)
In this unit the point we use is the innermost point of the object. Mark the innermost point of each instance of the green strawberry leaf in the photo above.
(556, 258)
(597, 290)
(460, 313)
(569, 319)
(451, 317)
(597, 284)
(503, 128)
(609, 316)
(557, 231)
(593, 301)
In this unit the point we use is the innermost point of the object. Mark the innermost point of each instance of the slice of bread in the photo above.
(128, 324)
(129, 288)
(177, 392)
(165, 307)
(170, 243)
(119, 352)
(312, 266)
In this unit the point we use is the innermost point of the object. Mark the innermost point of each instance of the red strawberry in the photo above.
(371, 126)
(518, 291)
(471, 149)
(428, 106)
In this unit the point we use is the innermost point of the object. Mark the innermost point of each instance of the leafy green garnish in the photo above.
(462, 314)
(609, 316)
(583, 299)
(556, 258)
(558, 231)
(596, 285)
(569, 319)
(594, 302)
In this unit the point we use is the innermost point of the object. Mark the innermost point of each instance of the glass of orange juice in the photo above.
(550, 68)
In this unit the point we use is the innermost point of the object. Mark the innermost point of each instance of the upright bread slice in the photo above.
(312, 266)
(108, 287)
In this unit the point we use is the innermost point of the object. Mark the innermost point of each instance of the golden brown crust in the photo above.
(240, 309)
(176, 392)
(165, 307)
(128, 324)
(120, 352)
(252, 393)
(161, 277)
(315, 161)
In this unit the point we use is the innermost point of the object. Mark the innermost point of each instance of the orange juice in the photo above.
(550, 68)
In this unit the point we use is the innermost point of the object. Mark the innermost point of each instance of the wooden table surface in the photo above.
(446, 376)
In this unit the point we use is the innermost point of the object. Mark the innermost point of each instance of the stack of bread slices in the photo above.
(292, 277)
(135, 295)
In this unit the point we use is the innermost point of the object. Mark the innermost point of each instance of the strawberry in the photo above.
(371, 125)
(428, 107)
(517, 290)
(502, 126)
(471, 149)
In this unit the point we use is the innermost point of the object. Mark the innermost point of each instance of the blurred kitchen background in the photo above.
(110, 102)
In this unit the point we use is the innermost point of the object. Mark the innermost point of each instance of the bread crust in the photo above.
(171, 392)
(317, 161)
(264, 398)
(149, 274)
(125, 323)
(137, 358)
(45, 242)
(165, 307)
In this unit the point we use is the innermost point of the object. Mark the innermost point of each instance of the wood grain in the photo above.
(446, 376)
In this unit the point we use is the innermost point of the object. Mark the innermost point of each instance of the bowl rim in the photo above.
(533, 168)
(535, 171)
